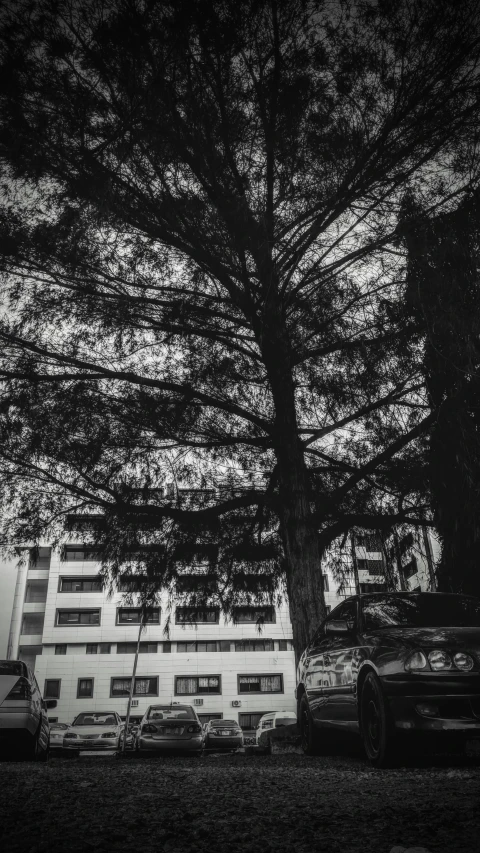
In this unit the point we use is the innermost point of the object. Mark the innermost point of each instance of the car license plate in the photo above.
(226, 734)
(173, 731)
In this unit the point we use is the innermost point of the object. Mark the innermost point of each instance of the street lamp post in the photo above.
(132, 685)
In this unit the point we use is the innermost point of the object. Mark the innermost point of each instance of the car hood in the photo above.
(7, 683)
(81, 731)
(460, 638)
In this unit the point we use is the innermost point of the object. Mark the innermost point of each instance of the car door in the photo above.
(313, 670)
(338, 705)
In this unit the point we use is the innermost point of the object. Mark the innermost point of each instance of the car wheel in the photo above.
(377, 737)
(308, 734)
(34, 750)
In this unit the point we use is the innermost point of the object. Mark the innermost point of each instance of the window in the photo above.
(210, 646)
(92, 584)
(260, 684)
(254, 614)
(85, 688)
(190, 685)
(184, 615)
(373, 567)
(36, 592)
(78, 553)
(249, 722)
(133, 615)
(285, 646)
(78, 617)
(61, 649)
(347, 611)
(92, 648)
(131, 648)
(52, 688)
(254, 646)
(205, 718)
(40, 558)
(131, 583)
(370, 542)
(166, 647)
(326, 586)
(144, 686)
(104, 648)
(32, 623)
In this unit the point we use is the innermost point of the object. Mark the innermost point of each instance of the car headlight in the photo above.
(416, 661)
(70, 735)
(463, 661)
(109, 734)
(439, 660)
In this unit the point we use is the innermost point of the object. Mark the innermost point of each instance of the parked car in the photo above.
(57, 731)
(387, 664)
(274, 720)
(93, 730)
(24, 726)
(223, 735)
(170, 728)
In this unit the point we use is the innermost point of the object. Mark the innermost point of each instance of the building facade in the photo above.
(81, 642)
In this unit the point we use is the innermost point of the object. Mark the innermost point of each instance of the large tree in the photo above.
(443, 297)
(202, 268)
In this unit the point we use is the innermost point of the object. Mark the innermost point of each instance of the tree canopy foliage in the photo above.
(203, 271)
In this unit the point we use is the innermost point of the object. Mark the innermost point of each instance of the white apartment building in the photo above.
(81, 643)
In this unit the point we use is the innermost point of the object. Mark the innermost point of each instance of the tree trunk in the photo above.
(301, 540)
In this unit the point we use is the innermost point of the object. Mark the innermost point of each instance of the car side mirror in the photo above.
(338, 626)
(50, 703)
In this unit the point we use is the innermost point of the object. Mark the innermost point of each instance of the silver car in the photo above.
(93, 730)
(57, 732)
(170, 728)
(24, 726)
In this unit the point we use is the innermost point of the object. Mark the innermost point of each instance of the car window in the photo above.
(13, 667)
(166, 712)
(95, 719)
(346, 612)
(422, 610)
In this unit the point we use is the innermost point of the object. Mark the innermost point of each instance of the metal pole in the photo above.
(132, 685)
(355, 567)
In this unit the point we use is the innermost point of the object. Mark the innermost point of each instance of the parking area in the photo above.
(239, 803)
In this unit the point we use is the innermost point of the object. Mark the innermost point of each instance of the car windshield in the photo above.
(12, 667)
(423, 610)
(95, 719)
(167, 712)
(228, 723)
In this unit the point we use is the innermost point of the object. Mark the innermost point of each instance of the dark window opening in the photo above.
(191, 685)
(260, 684)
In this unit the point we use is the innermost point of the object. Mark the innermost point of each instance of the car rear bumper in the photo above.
(213, 742)
(150, 744)
(17, 720)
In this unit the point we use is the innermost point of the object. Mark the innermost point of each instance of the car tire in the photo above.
(376, 730)
(309, 736)
(34, 750)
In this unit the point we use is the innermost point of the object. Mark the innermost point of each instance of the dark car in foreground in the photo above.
(223, 736)
(24, 726)
(170, 728)
(388, 665)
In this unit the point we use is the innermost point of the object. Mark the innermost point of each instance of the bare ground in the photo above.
(239, 804)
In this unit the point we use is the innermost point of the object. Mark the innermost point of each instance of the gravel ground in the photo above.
(239, 804)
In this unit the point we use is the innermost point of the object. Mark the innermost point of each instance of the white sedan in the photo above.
(93, 730)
